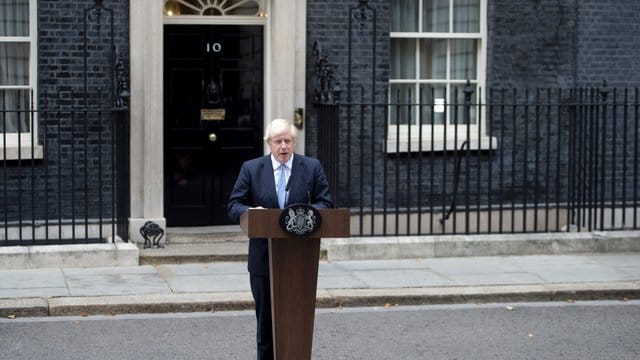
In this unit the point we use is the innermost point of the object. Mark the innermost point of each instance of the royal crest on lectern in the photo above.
(300, 219)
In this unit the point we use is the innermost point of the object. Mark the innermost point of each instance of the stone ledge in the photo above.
(411, 247)
(133, 304)
(66, 256)
(30, 307)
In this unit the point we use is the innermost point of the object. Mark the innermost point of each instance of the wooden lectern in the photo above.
(294, 275)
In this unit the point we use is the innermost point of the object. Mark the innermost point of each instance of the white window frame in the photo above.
(21, 146)
(405, 137)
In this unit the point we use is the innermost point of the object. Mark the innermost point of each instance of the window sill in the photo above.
(394, 146)
(12, 152)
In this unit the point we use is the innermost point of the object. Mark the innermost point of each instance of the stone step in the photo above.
(204, 234)
(197, 245)
(201, 245)
(182, 253)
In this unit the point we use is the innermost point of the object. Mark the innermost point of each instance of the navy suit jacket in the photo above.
(256, 186)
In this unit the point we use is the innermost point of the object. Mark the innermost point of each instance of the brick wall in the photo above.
(61, 60)
(608, 43)
(566, 43)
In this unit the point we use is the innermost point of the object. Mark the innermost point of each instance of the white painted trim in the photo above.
(24, 152)
(214, 20)
(442, 35)
(300, 69)
(268, 79)
(146, 144)
(25, 138)
(12, 39)
(393, 146)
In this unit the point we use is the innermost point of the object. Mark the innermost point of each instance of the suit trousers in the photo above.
(261, 290)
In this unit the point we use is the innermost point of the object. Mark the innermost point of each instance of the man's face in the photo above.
(282, 146)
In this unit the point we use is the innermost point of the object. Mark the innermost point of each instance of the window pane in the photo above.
(405, 15)
(15, 118)
(463, 59)
(220, 8)
(466, 16)
(435, 16)
(433, 59)
(432, 99)
(459, 110)
(403, 58)
(14, 18)
(14, 63)
(402, 104)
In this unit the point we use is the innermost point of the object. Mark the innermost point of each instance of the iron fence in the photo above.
(64, 170)
(506, 161)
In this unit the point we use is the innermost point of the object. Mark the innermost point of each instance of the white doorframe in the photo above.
(285, 69)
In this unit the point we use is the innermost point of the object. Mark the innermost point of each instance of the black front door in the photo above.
(213, 116)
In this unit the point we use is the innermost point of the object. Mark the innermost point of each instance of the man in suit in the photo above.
(259, 185)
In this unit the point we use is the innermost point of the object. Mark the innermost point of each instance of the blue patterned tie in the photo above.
(281, 187)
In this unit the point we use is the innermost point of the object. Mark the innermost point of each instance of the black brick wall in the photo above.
(566, 43)
(530, 43)
(608, 43)
(61, 60)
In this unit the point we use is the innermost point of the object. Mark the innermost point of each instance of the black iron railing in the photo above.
(64, 171)
(537, 160)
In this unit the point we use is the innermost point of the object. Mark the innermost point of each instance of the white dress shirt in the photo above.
(276, 169)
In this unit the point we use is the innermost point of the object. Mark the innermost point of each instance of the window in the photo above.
(17, 74)
(214, 7)
(436, 47)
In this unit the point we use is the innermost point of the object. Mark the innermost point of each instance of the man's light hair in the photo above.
(279, 127)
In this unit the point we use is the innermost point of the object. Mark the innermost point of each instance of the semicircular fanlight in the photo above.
(214, 7)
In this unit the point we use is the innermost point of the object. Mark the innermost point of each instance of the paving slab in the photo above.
(479, 265)
(570, 273)
(208, 283)
(541, 261)
(198, 278)
(32, 283)
(495, 279)
(217, 268)
(366, 265)
(115, 281)
(627, 260)
(336, 280)
(401, 278)
(32, 278)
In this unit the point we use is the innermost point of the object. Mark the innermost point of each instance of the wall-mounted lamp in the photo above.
(171, 8)
(298, 118)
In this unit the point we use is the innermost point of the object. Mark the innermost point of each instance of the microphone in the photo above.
(309, 196)
(288, 186)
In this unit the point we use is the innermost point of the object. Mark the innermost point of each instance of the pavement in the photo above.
(224, 285)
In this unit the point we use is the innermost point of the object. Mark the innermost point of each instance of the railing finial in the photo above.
(604, 91)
